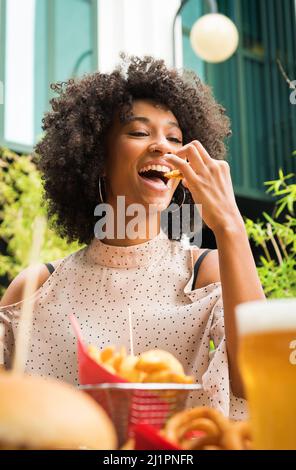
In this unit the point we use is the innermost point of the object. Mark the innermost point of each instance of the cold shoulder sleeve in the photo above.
(212, 365)
(10, 315)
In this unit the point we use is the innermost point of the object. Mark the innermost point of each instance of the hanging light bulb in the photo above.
(214, 37)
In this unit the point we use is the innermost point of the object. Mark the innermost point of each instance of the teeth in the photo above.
(163, 169)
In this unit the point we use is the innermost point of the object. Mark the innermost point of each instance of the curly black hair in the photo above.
(71, 154)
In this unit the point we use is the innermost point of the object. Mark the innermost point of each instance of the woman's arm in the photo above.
(210, 184)
(240, 283)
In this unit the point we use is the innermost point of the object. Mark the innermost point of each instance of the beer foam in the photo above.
(266, 315)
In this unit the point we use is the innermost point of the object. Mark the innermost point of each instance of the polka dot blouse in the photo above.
(99, 283)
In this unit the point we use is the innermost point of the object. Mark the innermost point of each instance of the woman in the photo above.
(103, 132)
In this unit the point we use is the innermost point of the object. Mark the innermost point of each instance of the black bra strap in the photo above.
(49, 267)
(197, 266)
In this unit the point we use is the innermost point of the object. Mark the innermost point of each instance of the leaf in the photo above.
(290, 203)
(272, 182)
(281, 208)
(281, 174)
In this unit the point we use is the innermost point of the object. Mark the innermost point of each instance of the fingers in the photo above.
(183, 166)
(207, 159)
(191, 153)
(199, 159)
(193, 161)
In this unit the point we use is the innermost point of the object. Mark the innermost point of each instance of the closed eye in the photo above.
(139, 134)
(174, 139)
(142, 134)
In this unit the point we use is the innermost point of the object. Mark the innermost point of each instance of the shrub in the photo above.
(21, 201)
(276, 236)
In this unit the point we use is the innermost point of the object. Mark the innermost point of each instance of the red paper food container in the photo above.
(128, 404)
(148, 438)
(89, 371)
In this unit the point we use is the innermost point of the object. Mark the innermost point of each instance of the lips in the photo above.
(155, 172)
(155, 184)
(152, 175)
(155, 175)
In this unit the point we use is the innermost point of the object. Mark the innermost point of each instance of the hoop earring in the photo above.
(184, 196)
(100, 189)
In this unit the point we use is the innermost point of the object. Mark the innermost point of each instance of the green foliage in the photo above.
(21, 201)
(277, 273)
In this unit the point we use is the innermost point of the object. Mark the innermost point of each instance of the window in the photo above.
(43, 41)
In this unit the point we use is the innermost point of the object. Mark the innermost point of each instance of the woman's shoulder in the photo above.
(208, 270)
(15, 290)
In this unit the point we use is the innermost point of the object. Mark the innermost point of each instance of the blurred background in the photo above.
(44, 41)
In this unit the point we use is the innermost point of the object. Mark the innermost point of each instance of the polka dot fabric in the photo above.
(99, 283)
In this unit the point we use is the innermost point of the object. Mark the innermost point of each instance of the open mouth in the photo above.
(154, 175)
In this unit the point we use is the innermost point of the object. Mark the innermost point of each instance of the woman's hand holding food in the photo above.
(210, 184)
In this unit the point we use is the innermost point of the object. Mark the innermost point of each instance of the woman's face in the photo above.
(132, 146)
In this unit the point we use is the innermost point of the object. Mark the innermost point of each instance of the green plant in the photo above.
(278, 276)
(21, 201)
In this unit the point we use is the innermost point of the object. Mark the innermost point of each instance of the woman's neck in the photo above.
(133, 231)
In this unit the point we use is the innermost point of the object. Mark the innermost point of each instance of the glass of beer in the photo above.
(267, 359)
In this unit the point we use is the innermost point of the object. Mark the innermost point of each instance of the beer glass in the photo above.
(267, 359)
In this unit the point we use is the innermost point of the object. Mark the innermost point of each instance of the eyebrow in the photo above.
(147, 121)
